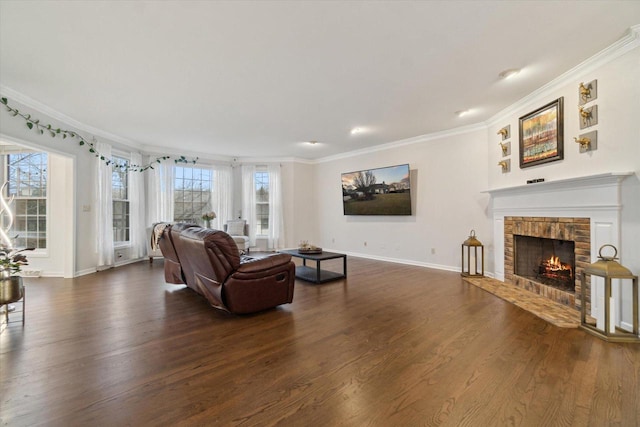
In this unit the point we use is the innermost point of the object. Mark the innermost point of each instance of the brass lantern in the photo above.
(470, 261)
(609, 269)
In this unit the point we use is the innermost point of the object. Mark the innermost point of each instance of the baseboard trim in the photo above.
(85, 272)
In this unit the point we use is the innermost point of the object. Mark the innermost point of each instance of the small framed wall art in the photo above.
(542, 135)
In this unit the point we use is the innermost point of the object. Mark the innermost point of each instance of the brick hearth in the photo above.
(573, 229)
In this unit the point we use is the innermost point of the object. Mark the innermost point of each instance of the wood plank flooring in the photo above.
(391, 345)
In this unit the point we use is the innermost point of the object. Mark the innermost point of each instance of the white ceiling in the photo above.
(256, 79)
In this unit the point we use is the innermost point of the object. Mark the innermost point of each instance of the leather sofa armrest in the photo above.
(255, 264)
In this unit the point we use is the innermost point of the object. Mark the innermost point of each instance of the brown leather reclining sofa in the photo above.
(208, 262)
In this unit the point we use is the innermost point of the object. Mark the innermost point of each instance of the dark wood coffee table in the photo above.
(317, 275)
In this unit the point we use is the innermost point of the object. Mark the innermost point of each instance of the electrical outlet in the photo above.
(333, 240)
(365, 243)
(433, 251)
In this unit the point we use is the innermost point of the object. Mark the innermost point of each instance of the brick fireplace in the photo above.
(576, 231)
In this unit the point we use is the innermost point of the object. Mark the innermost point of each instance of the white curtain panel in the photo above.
(104, 208)
(276, 220)
(160, 193)
(222, 196)
(137, 227)
(249, 200)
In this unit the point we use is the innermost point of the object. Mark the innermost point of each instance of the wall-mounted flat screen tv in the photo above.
(382, 191)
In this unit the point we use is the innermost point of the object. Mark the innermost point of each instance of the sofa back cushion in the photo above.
(211, 253)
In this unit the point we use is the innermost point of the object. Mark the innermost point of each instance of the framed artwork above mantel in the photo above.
(542, 135)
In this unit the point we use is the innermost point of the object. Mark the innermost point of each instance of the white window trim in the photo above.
(127, 156)
(38, 252)
(261, 169)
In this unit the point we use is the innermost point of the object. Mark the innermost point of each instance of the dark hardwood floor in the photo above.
(392, 345)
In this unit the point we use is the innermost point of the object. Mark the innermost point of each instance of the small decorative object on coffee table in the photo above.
(306, 248)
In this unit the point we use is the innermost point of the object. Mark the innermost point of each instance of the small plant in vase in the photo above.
(207, 217)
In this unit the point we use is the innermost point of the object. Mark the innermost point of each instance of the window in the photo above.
(262, 202)
(27, 178)
(120, 196)
(192, 193)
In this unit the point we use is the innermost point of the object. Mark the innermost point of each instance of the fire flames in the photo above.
(555, 269)
(554, 264)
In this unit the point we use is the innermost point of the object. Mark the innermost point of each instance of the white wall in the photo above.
(447, 176)
(60, 231)
(618, 138)
(618, 127)
(301, 204)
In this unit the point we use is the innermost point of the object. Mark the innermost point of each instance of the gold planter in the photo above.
(11, 290)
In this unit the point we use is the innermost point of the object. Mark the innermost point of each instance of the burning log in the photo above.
(554, 269)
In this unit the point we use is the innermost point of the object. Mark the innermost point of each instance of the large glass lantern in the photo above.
(470, 258)
(602, 322)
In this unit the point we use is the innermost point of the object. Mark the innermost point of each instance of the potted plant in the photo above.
(207, 217)
(11, 262)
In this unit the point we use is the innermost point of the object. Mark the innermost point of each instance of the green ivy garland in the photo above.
(54, 132)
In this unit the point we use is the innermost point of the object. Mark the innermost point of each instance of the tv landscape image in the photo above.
(382, 191)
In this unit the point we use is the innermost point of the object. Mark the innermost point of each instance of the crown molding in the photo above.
(303, 161)
(241, 160)
(155, 150)
(628, 42)
(403, 142)
(56, 115)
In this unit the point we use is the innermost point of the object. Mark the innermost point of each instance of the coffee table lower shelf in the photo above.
(310, 274)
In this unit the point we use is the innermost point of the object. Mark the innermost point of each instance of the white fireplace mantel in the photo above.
(583, 193)
(582, 181)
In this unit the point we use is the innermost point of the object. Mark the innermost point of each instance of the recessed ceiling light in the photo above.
(462, 113)
(313, 142)
(356, 131)
(507, 74)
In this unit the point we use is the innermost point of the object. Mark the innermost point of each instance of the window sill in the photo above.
(38, 253)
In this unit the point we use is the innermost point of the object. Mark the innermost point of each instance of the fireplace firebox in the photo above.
(559, 262)
(547, 261)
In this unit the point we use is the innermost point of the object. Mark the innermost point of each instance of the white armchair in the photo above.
(238, 229)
